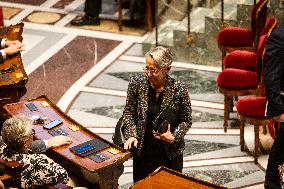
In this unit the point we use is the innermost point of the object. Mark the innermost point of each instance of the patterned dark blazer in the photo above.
(175, 95)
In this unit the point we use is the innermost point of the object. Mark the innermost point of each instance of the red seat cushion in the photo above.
(236, 79)
(239, 59)
(235, 37)
(252, 107)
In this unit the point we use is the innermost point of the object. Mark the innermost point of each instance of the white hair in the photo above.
(16, 131)
(163, 57)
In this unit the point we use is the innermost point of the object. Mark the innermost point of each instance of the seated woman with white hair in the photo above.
(17, 134)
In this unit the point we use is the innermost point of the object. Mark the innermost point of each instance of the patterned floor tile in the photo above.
(193, 147)
(40, 17)
(136, 50)
(65, 67)
(61, 4)
(223, 174)
(29, 2)
(112, 26)
(10, 12)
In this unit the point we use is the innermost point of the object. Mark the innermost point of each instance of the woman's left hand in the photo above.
(167, 136)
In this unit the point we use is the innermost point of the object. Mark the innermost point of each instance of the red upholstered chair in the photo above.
(1, 17)
(252, 110)
(233, 38)
(247, 60)
(234, 82)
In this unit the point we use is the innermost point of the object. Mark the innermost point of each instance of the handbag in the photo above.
(165, 117)
(118, 137)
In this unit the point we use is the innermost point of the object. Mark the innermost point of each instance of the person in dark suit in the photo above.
(9, 48)
(274, 87)
(92, 10)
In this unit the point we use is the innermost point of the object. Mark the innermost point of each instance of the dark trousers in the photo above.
(143, 165)
(276, 158)
(93, 7)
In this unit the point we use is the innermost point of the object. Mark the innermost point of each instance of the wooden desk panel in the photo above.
(13, 77)
(63, 154)
(18, 77)
(164, 178)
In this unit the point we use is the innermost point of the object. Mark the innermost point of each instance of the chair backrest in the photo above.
(10, 173)
(261, 62)
(258, 16)
(270, 24)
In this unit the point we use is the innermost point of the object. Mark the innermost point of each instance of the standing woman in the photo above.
(147, 96)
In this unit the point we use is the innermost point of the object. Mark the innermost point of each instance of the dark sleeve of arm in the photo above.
(130, 109)
(38, 146)
(272, 78)
(185, 115)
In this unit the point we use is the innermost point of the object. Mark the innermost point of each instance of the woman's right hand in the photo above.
(132, 141)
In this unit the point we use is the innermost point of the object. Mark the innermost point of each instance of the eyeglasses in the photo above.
(151, 70)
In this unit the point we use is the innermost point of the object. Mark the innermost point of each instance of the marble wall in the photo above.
(204, 49)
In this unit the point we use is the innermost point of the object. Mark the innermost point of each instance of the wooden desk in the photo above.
(18, 76)
(13, 77)
(164, 178)
(105, 174)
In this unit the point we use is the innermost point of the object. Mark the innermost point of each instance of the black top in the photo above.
(153, 146)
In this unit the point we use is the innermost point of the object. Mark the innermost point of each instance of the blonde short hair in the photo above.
(16, 131)
(162, 56)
